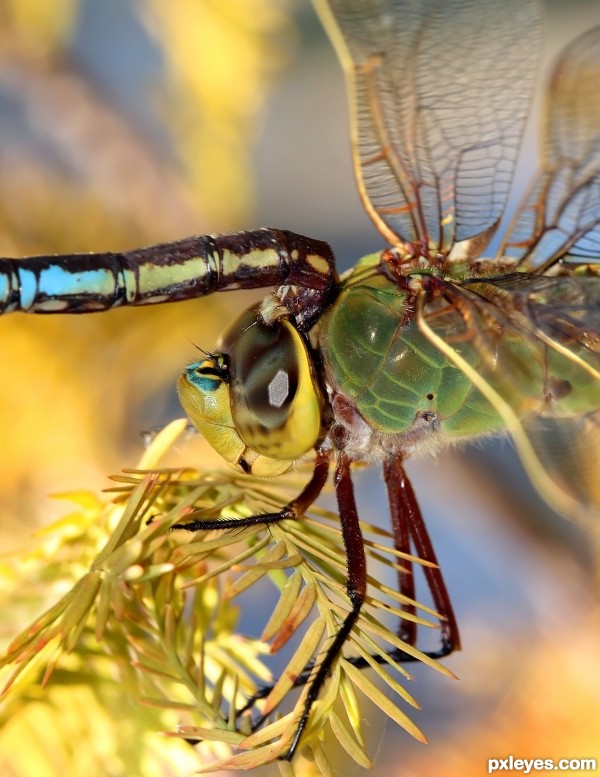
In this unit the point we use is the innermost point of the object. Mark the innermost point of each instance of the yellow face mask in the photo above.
(258, 403)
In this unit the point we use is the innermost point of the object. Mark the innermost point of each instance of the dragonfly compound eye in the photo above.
(259, 405)
(275, 399)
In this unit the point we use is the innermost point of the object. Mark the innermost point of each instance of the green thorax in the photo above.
(376, 357)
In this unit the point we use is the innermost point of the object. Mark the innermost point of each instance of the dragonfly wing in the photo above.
(531, 346)
(439, 93)
(561, 215)
(562, 312)
(568, 449)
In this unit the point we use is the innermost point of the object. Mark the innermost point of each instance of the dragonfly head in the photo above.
(258, 402)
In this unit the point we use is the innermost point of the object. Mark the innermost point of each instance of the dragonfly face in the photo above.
(258, 403)
(429, 341)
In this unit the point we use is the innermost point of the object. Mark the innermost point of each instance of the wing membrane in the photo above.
(531, 346)
(561, 216)
(439, 92)
(568, 450)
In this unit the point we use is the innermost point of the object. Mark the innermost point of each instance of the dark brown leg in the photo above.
(294, 509)
(406, 579)
(356, 587)
(408, 526)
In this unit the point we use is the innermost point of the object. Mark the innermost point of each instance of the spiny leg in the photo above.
(408, 525)
(356, 580)
(356, 587)
(292, 510)
(400, 528)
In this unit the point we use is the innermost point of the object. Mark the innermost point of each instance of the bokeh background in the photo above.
(124, 123)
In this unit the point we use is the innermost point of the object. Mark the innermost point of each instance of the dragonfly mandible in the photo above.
(428, 342)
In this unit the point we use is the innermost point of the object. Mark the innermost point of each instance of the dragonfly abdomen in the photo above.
(171, 272)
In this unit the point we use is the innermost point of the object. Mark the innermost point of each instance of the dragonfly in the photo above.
(433, 341)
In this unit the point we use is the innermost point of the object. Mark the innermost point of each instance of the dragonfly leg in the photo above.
(356, 587)
(407, 630)
(356, 581)
(292, 510)
(149, 435)
(409, 528)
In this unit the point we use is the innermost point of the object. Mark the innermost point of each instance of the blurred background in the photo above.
(125, 123)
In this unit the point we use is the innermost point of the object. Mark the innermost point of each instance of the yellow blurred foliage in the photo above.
(242, 44)
(35, 28)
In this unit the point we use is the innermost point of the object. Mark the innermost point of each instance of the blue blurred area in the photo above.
(112, 46)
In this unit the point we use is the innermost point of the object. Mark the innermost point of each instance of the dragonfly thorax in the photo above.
(391, 390)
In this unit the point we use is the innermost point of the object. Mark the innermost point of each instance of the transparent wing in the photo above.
(531, 346)
(439, 93)
(568, 451)
(561, 216)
